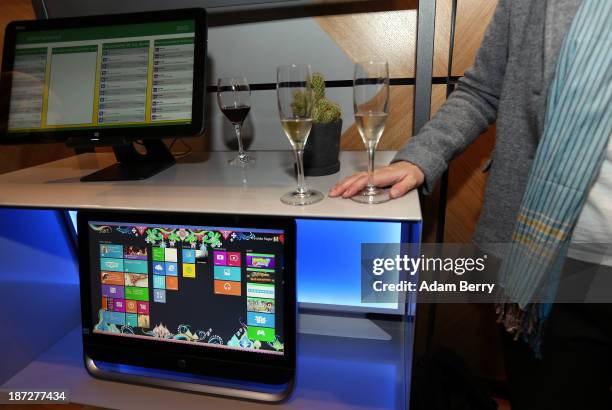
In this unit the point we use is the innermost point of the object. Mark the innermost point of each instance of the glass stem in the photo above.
(299, 160)
(371, 151)
(241, 154)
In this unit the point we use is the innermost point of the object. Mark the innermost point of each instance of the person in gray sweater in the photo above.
(509, 84)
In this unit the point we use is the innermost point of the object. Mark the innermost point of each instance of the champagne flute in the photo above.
(234, 99)
(371, 104)
(295, 100)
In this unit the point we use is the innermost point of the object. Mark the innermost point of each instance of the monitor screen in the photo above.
(124, 75)
(218, 287)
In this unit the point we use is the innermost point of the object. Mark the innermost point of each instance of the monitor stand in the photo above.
(132, 165)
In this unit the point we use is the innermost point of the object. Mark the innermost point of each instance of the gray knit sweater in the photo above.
(508, 83)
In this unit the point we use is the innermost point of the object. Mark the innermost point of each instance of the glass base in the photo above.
(372, 195)
(246, 159)
(308, 197)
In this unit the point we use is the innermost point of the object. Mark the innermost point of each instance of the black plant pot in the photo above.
(323, 149)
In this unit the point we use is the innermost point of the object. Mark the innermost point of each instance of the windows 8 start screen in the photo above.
(198, 285)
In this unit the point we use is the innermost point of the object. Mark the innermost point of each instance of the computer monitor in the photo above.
(106, 80)
(202, 294)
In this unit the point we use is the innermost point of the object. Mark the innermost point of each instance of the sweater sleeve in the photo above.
(469, 110)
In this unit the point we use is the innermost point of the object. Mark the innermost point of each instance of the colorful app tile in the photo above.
(158, 254)
(143, 308)
(263, 334)
(131, 306)
(189, 255)
(159, 295)
(260, 290)
(260, 260)
(171, 283)
(135, 266)
(135, 252)
(137, 279)
(111, 251)
(171, 269)
(112, 278)
(260, 305)
(260, 275)
(116, 318)
(201, 255)
(119, 305)
(227, 273)
(135, 293)
(143, 321)
(220, 258)
(189, 270)
(233, 258)
(159, 268)
(159, 282)
(171, 255)
(131, 320)
(260, 319)
(113, 291)
(104, 303)
(224, 287)
(112, 265)
(110, 305)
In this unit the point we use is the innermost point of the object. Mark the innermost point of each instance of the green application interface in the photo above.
(106, 76)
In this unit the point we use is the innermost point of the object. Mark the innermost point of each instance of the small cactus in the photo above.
(324, 111)
(317, 82)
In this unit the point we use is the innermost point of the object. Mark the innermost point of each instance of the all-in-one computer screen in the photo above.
(203, 294)
(105, 76)
(198, 285)
(106, 80)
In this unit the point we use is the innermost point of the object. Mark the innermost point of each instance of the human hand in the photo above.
(402, 176)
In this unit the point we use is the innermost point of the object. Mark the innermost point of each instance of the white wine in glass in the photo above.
(371, 104)
(295, 101)
(371, 126)
(297, 130)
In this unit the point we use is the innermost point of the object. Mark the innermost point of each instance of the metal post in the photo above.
(426, 22)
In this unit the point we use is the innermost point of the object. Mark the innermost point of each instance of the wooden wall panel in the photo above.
(390, 36)
(473, 17)
(442, 37)
(387, 35)
(14, 10)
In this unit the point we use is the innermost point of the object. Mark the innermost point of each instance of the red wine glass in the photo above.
(234, 99)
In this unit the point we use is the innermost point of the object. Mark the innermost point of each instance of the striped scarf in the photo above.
(570, 153)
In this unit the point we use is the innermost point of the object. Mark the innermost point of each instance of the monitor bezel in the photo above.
(108, 134)
(200, 360)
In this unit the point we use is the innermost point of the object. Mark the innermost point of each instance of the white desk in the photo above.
(363, 367)
(203, 183)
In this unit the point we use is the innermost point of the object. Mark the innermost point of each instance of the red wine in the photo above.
(236, 114)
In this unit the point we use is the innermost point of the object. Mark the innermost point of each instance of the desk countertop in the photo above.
(198, 184)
